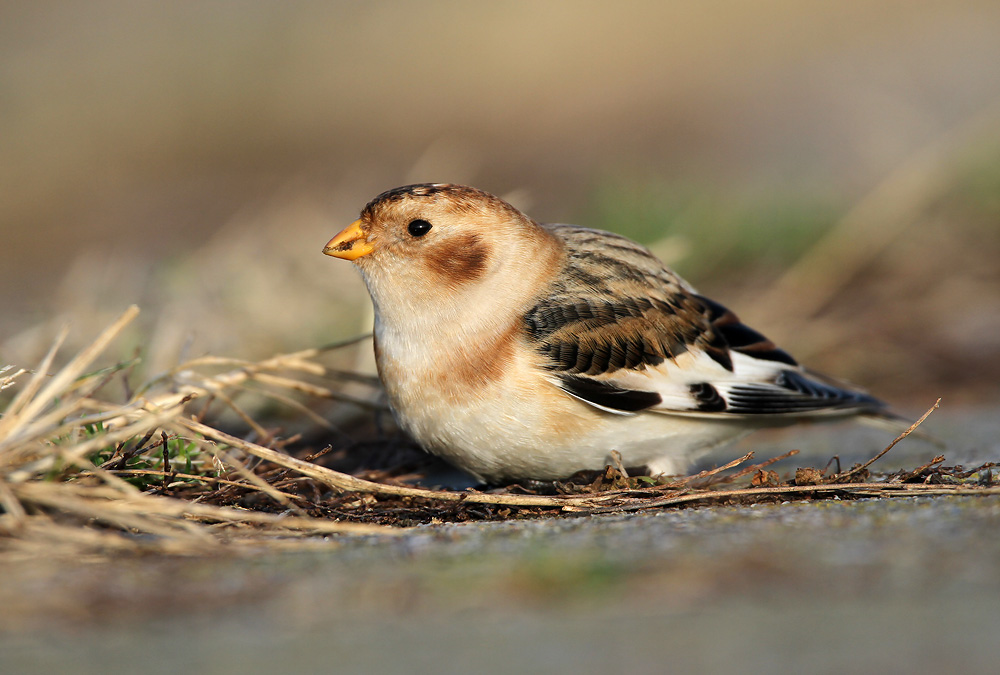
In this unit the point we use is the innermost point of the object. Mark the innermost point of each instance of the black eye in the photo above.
(418, 228)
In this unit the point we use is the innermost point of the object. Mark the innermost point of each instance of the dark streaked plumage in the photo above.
(603, 314)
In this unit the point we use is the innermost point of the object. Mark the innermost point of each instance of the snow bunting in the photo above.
(518, 350)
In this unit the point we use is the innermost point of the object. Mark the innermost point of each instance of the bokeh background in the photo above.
(831, 171)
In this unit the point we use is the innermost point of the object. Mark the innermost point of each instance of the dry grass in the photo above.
(82, 475)
(92, 465)
(57, 496)
(199, 459)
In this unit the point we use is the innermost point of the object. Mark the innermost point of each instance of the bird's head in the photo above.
(438, 242)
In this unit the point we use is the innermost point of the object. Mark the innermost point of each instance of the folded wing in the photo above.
(624, 334)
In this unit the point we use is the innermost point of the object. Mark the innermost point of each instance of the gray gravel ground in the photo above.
(903, 585)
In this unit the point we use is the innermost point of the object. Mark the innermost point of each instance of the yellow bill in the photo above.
(350, 244)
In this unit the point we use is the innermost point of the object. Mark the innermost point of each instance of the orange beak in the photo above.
(350, 244)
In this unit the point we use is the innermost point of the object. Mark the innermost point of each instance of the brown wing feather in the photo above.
(615, 306)
(626, 310)
(740, 337)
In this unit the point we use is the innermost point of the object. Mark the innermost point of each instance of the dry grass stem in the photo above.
(709, 472)
(348, 483)
(14, 414)
(178, 476)
(858, 469)
(291, 403)
(855, 489)
(80, 475)
(757, 467)
(54, 425)
(63, 381)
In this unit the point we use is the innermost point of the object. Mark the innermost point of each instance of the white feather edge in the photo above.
(672, 379)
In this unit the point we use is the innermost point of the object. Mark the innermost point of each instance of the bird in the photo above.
(517, 350)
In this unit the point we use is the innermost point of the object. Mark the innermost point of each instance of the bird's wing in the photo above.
(620, 331)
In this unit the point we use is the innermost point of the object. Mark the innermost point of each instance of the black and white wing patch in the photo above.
(607, 396)
(791, 392)
(739, 337)
(687, 356)
(624, 334)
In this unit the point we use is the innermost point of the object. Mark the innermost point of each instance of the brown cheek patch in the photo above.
(462, 261)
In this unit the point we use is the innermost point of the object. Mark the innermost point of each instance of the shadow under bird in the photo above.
(519, 350)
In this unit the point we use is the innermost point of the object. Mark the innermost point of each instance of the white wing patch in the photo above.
(695, 384)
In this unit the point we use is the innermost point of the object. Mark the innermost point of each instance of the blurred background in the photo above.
(831, 171)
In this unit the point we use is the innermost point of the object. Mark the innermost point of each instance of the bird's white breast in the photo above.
(512, 422)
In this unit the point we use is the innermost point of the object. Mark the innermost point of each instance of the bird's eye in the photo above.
(418, 228)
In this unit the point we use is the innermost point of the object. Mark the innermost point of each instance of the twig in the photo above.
(166, 458)
(227, 459)
(58, 385)
(858, 469)
(189, 387)
(316, 418)
(210, 480)
(12, 509)
(867, 489)
(684, 481)
(343, 481)
(907, 475)
(14, 412)
(835, 458)
(616, 461)
(757, 467)
(119, 458)
(315, 391)
(134, 511)
(262, 433)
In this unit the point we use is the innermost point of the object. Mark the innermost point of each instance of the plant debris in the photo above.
(157, 473)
